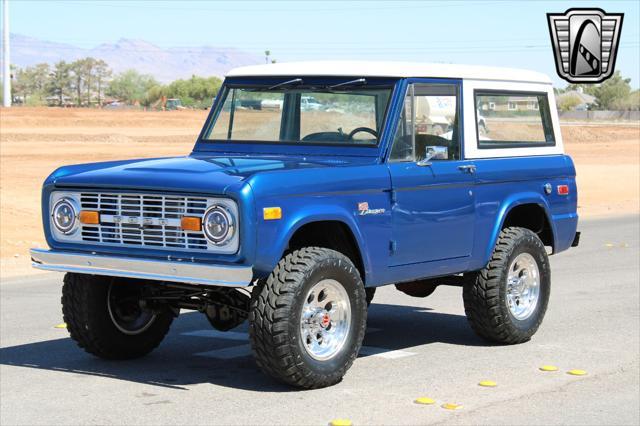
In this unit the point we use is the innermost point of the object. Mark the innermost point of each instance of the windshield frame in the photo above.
(332, 148)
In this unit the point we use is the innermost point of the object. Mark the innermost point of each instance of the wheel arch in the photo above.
(526, 210)
(332, 232)
(274, 238)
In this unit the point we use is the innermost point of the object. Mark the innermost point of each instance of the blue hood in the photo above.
(201, 173)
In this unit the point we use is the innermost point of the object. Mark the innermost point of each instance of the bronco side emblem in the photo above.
(585, 43)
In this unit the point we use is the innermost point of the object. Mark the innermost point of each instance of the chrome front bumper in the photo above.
(146, 269)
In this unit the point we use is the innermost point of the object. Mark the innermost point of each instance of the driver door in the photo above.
(433, 188)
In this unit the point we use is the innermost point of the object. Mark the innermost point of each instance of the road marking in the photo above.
(384, 353)
(245, 350)
(227, 353)
(549, 368)
(488, 384)
(425, 400)
(451, 406)
(229, 335)
(340, 422)
(234, 335)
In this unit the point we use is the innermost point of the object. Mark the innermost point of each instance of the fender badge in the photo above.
(363, 209)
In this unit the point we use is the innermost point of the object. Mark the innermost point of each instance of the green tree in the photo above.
(89, 76)
(589, 89)
(197, 92)
(101, 74)
(40, 77)
(60, 81)
(82, 73)
(568, 102)
(131, 87)
(630, 103)
(613, 90)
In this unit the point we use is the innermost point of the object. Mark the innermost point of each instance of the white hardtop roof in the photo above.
(389, 69)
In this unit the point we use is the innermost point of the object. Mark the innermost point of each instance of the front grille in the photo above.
(143, 220)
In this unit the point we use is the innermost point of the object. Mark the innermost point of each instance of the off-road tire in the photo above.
(485, 294)
(274, 318)
(85, 311)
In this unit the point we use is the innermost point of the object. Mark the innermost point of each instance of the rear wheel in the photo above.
(308, 318)
(109, 317)
(507, 300)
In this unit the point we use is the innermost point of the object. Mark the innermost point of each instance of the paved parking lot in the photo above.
(413, 348)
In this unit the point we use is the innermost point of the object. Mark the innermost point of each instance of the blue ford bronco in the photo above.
(309, 186)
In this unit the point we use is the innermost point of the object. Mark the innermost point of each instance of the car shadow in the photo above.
(178, 361)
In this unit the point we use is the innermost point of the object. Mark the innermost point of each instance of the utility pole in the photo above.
(6, 62)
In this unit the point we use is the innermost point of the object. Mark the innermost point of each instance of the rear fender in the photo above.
(507, 205)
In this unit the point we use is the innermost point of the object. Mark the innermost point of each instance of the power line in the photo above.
(299, 6)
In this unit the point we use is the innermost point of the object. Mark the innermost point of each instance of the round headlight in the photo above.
(218, 225)
(64, 216)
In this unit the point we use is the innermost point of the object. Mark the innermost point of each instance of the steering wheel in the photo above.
(362, 129)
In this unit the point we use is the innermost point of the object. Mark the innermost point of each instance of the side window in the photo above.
(428, 125)
(513, 119)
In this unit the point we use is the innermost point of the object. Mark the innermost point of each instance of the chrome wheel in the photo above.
(325, 319)
(523, 286)
(123, 304)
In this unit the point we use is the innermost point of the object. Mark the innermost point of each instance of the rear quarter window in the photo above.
(513, 119)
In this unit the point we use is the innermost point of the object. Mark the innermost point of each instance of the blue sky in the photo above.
(503, 33)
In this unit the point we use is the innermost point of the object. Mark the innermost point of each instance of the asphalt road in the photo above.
(414, 348)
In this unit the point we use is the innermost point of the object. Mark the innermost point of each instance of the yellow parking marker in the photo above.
(425, 401)
(548, 368)
(451, 406)
(609, 245)
(340, 422)
(577, 372)
(61, 325)
(488, 384)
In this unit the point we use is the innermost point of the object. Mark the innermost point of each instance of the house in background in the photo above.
(513, 103)
(586, 101)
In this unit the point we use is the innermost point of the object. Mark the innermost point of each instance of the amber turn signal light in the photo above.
(272, 213)
(189, 223)
(89, 217)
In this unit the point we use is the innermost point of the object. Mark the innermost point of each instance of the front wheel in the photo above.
(308, 318)
(110, 317)
(507, 300)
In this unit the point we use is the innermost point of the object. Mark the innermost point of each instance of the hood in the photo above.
(201, 173)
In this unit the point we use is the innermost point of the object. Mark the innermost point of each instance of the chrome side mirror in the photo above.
(434, 152)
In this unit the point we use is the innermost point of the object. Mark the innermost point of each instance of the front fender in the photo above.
(274, 236)
(507, 205)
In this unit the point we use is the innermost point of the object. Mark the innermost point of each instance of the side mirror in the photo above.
(434, 152)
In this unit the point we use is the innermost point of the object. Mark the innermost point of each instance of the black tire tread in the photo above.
(481, 294)
(78, 295)
(270, 315)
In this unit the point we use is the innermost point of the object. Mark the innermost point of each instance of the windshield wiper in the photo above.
(295, 81)
(359, 81)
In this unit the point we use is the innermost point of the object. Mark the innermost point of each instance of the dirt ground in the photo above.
(35, 141)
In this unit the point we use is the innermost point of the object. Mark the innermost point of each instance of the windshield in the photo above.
(302, 115)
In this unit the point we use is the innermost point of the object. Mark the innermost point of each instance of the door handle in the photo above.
(467, 168)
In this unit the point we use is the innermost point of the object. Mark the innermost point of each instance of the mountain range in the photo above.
(165, 64)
